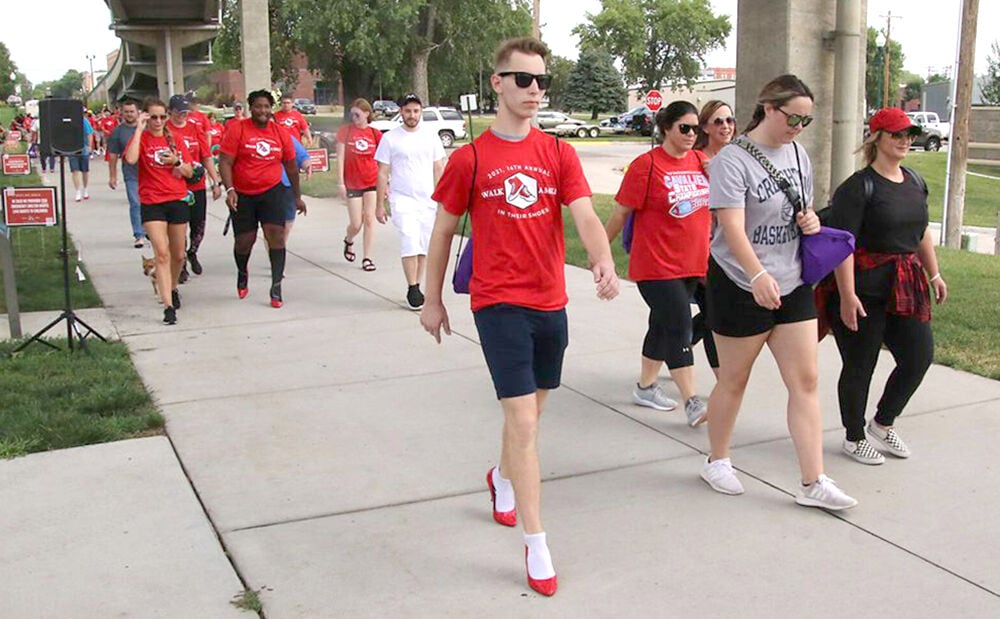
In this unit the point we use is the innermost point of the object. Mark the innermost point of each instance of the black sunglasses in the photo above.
(158, 117)
(686, 129)
(794, 120)
(909, 133)
(729, 120)
(524, 79)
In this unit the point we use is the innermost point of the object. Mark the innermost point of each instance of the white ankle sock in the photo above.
(539, 559)
(504, 490)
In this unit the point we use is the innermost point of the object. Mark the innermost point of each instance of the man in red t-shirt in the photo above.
(293, 121)
(190, 137)
(251, 157)
(513, 181)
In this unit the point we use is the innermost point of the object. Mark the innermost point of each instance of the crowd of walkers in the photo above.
(711, 217)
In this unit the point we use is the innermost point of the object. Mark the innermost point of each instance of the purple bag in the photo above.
(628, 231)
(463, 270)
(823, 252)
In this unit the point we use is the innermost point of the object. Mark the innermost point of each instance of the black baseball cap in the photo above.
(410, 98)
(178, 103)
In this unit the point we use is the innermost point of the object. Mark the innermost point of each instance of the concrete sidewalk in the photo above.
(340, 455)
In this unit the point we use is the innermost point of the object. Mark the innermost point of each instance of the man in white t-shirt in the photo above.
(410, 162)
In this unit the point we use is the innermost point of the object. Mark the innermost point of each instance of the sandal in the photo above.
(367, 265)
(349, 254)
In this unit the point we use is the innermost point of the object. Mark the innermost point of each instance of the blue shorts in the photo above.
(79, 163)
(524, 348)
(289, 202)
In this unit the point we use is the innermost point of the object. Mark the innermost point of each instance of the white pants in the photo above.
(415, 223)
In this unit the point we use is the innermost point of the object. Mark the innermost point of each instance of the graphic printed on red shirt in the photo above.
(215, 131)
(157, 183)
(360, 167)
(258, 155)
(519, 253)
(672, 220)
(107, 125)
(198, 119)
(292, 121)
(195, 145)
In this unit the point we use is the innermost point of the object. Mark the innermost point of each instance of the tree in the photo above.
(69, 85)
(875, 70)
(7, 66)
(595, 84)
(561, 69)
(914, 85)
(991, 81)
(658, 42)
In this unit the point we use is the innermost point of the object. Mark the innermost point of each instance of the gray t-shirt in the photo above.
(117, 143)
(739, 181)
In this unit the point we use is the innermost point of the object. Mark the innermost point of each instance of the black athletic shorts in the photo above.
(733, 312)
(523, 347)
(176, 212)
(357, 193)
(263, 208)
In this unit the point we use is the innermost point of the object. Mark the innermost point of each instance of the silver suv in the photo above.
(446, 121)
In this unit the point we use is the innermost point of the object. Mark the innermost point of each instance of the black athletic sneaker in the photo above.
(415, 298)
(183, 277)
(195, 265)
(175, 298)
(169, 316)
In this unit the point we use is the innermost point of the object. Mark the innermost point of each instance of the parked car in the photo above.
(612, 126)
(383, 108)
(930, 120)
(930, 138)
(446, 121)
(304, 106)
(561, 124)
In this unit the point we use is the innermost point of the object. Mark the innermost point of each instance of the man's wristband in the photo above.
(757, 276)
(938, 276)
(228, 189)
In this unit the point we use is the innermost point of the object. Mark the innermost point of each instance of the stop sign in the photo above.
(654, 100)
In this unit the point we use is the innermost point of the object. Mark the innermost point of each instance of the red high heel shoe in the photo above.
(507, 519)
(545, 586)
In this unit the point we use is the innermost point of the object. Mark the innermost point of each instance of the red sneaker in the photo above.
(545, 586)
(242, 292)
(276, 303)
(242, 285)
(507, 519)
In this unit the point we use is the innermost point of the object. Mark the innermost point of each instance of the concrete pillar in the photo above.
(793, 36)
(170, 63)
(256, 45)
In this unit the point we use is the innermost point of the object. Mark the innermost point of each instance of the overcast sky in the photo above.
(61, 33)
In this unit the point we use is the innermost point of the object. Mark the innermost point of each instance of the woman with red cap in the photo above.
(883, 292)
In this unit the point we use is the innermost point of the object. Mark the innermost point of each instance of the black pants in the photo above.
(669, 335)
(912, 346)
(199, 212)
(701, 332)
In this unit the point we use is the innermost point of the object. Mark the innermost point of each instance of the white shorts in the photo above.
(415, 226)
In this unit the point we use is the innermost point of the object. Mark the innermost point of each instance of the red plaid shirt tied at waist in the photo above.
(910, 295)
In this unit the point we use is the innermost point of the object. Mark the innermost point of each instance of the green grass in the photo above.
(38, 271)
(248, 600)
(982, 195)
(966, 332)
(55, 399)
(7, 114)
(323, 184)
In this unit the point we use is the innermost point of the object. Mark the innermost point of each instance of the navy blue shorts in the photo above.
(79, 163)
(523, 347)
(289, 202)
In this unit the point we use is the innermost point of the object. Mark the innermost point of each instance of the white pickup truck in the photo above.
(930, 122)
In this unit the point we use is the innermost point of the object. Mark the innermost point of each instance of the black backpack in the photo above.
(869, 187)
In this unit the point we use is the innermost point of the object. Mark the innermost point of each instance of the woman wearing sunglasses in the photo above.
(358, 170)
(756, 295)
(882, 293)
(163, 190)
(667, 189)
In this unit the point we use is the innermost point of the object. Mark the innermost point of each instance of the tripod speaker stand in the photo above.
(63, 140)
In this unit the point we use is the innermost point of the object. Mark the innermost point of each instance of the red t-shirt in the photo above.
(360, 167)
(294, 122)
(195, 143)
(157, 183)
(258, 155)
(108, 124)
(672, 220)
(215, 131)
(198, 119)
(519, 253)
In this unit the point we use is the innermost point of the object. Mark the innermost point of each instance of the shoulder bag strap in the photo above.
(765, 163)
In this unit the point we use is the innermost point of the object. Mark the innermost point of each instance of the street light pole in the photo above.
(90, 58)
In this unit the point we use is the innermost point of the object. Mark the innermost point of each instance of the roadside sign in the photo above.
(319, 160)
(468, 103)
(29, 206)
(16, 165)
(654, 100)
(14, 136)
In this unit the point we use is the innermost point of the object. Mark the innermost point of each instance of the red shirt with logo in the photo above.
(360, 167)
(198, 119)
(195, 143)
(157, 183)
(672, 220)
(108, 124)
(258, 155)
(215, 131)
(293, 121)
(519, 188)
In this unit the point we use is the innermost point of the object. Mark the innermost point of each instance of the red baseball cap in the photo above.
(891, 119)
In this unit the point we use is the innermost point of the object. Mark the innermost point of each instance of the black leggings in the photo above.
(912, 346)
(699, 324)
(199, 212)
(669, 336)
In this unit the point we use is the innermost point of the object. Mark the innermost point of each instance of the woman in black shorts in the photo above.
(253, 154)
(756, 295)
(884, 294)
(163, 190)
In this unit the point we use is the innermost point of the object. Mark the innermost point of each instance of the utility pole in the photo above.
(958, 145)
(887, 56)
(536, 28)
(93, 82)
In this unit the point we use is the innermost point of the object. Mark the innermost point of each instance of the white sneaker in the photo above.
(824, 493)
(863, 452)
(653, 397)
(86, 196)
(79, 195)
(888, 439)
(719, 475)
